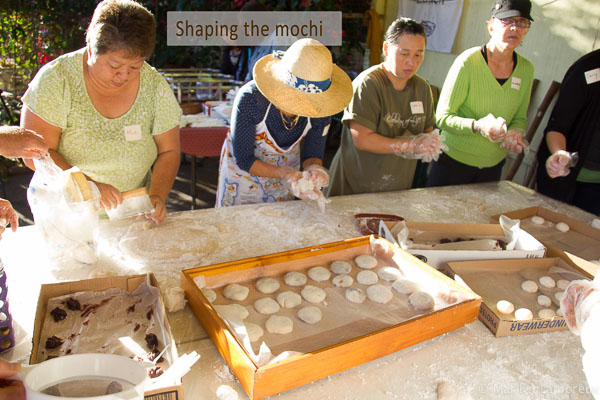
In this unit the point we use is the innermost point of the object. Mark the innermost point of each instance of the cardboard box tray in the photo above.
(582, 240)
(526, 247)
(496, 280)
(128, 283)
(333, 350)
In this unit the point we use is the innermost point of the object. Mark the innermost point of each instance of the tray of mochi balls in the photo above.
(518, 290)
(308, 299)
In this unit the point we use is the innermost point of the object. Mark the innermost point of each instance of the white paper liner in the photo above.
(117, 315)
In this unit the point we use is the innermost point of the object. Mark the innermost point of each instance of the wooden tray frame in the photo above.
(260, 382)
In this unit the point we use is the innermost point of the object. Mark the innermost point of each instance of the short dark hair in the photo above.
(404, 26)
(122, 25)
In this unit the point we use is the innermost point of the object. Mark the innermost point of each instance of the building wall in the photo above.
(562, 31)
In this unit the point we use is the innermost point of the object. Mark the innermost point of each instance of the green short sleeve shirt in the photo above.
(97, 145)
(378, 106)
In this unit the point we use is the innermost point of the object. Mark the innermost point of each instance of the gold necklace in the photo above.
(289, 125)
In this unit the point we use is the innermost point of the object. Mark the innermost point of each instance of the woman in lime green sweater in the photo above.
(483, 104)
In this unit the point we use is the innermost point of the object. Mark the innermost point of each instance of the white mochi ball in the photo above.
(379, 294)
(529, 286)
(340, 267)
(523, 314)
(236, 292)
(266, 305)
(289, 299)
(310, 314)
(342, 280)
(505, 307)
(365, 261)
(279, 324)
(355, 295)
(319, 274)
(267, 285)
(313, 294)
(367, 278)
(294, 279)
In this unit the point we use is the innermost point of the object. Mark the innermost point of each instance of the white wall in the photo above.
(562, 31)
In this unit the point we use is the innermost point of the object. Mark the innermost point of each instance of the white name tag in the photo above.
(416, 107)
(133, 132)
(515, 83)
(592, 76)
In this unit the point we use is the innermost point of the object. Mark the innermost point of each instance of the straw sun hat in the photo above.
(303, 80)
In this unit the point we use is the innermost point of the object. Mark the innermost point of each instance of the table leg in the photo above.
(193, 182)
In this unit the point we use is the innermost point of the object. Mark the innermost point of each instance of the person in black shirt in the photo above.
(574, 127)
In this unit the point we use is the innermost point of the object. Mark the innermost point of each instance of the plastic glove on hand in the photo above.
(304, 188)
(558, 164)
(491, 127)
(318, 175)
(424, 146)
(515, 143)
(579, 299)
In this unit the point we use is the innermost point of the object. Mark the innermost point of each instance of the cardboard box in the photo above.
(526, 247)
(582, 240)
(128, 283)
(496, 280)
(333, 350)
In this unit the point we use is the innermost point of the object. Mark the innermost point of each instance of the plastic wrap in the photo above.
(67, 226)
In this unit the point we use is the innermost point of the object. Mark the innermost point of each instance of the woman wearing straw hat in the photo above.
(287, 104)
(389, 122)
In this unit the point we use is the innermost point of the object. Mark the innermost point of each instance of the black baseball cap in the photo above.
(512, 8)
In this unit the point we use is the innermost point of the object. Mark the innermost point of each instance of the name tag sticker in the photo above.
(592, 76)
(133, 132)
(416, 107)
(515, 83)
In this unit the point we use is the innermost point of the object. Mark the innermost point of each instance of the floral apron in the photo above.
(237, 186)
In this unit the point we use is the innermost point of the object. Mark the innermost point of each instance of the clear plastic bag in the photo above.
(67, 226)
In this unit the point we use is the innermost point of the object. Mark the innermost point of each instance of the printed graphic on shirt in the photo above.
(395, 119)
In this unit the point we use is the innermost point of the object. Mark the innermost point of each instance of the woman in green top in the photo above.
(105, 110)
(483, 103)
(389, 122)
